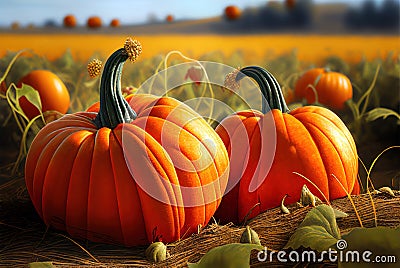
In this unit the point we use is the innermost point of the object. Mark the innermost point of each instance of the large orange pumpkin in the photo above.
(266, 148)
(333, 89)
(127, 173)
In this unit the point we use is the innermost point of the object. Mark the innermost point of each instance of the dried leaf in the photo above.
(318, 230)
(306, 197)
(284, 209)
(234, 255)
(46, 264)
(157, 252)
(387, 190)
(250, 236)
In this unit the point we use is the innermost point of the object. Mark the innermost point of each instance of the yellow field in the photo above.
(312, 48)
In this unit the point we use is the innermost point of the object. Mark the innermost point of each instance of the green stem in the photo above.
(114, 109)
(269, 86)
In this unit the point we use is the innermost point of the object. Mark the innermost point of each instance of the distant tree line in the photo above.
(370, 15)
(275, 16)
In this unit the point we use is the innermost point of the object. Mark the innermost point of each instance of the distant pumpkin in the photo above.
(94, 22)
(70, 21)
(232, 12)
(15, 25)
(290, 3)
(169, 18)
(115, 23)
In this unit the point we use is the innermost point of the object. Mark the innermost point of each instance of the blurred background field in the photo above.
(253, 49)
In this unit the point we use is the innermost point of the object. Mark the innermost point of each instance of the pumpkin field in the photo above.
(110, 169)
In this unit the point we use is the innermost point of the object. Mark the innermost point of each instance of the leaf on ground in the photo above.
(46, 264)
(31, 94)
(318, 230)
(235, 255)
(339, 214)
(377, 113)
(380, 241)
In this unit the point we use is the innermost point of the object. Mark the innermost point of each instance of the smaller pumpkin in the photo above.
(289, 95)
(232, 12)
(332, 89)
(169, 18)
(94, 22)
(53, 93)
(15, 25)
(70, 21)
(290, 4)
(115, 23)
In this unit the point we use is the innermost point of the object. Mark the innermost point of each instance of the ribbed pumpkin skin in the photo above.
(310, 140)
(79, 180)
(333, 88)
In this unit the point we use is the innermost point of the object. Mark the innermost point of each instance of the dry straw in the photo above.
(24, 238)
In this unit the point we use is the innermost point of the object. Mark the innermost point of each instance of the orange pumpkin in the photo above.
(94, 22)
(266, 148)
(115, 23)
(127, 173)
(70, 21)
(54, 95)
(169, 18)
(232, 12)
(332, 89)
(290, 3)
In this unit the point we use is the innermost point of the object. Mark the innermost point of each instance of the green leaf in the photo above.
(339, 214)
(380, 241)
(318, 230)
(46, 264)
(234, 255)
(31, 94)
(380, 112)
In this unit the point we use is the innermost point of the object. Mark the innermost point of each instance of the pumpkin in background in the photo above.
(289, 95)
(333, 89)
(266, 148)
(94, 22)
(129, 173)
(169, 18)
(232, 12)
(290, 4)
(115, 23)
(69, 21)
(53, 93)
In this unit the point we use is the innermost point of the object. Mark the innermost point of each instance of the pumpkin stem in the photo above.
(269, 87)
(114, 109)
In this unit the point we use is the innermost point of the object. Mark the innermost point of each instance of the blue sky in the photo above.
(127, 11)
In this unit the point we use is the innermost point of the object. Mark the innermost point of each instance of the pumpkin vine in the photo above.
(114, 109)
